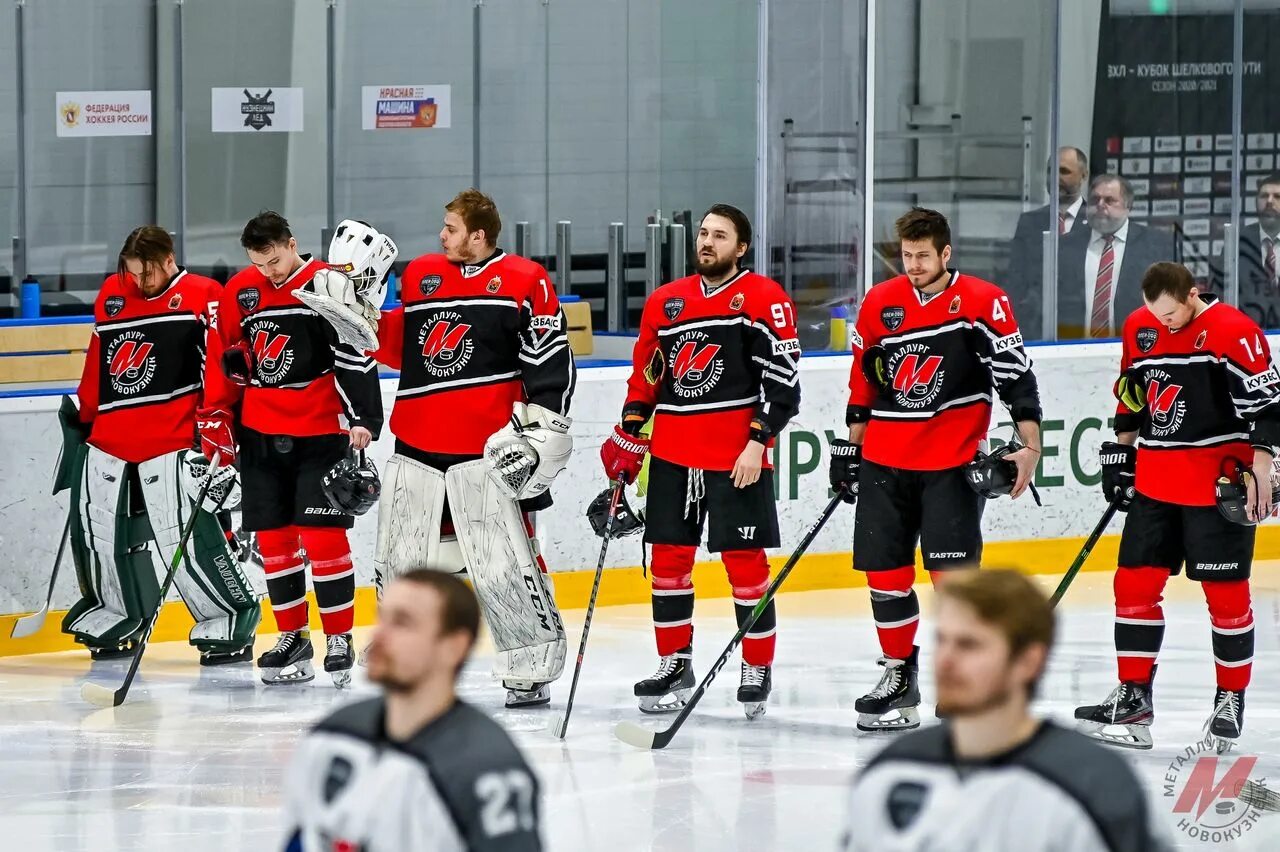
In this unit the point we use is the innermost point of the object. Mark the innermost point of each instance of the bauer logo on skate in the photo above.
(1167, 411)
(1205, 788)
(694, 364)
(446, 347)
(271, 353)
(131, 363)
(917, 375)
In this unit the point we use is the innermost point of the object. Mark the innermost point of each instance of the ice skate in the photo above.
(339, 658)
(119, 651)
(290, 660)
(527, 693)
(227, 657)
(1123, 719)
(669, 688)
(757, 682)
(894, 704)
(1227, 722)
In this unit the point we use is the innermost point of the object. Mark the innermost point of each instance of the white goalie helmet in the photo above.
(365, 255)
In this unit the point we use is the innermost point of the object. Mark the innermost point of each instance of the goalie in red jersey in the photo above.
(716, 366)
(1200, 396)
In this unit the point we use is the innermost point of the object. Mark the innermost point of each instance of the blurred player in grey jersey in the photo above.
(415, 770)
(992, 776)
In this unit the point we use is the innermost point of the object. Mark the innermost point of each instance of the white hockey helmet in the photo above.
(363, 254)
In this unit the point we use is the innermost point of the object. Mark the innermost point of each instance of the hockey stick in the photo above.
(98, 694)
(1086, 550)
(561, 725)
(634, 735)
(32, 623)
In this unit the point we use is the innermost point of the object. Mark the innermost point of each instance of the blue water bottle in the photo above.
(29, 303)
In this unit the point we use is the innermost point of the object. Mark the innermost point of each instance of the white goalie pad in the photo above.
(332, 295)
(502, 561)
(527, 454)
(409, 515)
(103, 497)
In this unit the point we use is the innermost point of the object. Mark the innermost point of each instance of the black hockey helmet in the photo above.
(1231, 492)
(992, 475)
(352, 486)
(625, 521)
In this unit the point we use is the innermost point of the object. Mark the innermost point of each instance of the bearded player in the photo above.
(1201, 397)
(482, 429)
(132, 471)
(716, 366)
(931, 349)
(306, 400)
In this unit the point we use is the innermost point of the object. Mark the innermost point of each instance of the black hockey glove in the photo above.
(1118, 464)
(875, 366)
(846, 460)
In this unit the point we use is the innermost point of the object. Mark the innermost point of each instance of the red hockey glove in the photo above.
(623, 455)
(237, 363)
(216, 436)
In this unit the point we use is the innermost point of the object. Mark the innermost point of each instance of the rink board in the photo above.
(1075, 383)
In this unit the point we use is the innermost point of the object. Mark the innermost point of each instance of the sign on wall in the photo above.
(404, 107)
(257, 109)
(118, 113)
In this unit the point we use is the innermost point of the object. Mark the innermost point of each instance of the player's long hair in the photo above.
(150, 244)
(478, 212)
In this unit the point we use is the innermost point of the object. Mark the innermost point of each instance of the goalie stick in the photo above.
(561, 725)
(29, 624)
(634, 735)
(96, 693)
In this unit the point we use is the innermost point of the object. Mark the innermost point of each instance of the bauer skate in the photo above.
(668, 689)
(339, 658)
(1227, 722)
(894, 705)
(526, 693)
(289, 661)
(226, 657)
(1124, 718)
(757, 682)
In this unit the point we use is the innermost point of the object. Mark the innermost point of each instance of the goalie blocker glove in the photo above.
(349, 293)
(352, 486)
(1119, 463)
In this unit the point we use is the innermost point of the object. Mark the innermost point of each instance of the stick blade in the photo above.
(29, 625)
(559, 725)
(634, 735)
(100, 696)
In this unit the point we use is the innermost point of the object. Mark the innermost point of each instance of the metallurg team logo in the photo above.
(1164, 404)
(917, 376)
(131, 363)
(446, 344)
(695, 366)
(271, 352)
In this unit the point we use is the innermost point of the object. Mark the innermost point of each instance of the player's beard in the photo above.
(960, 706)
(934, 279)
(714, 267)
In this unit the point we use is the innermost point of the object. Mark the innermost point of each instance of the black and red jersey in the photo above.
(715, 367)
(470, 340)
(948, 356)
(305, 382)
(144, 372)
(1212, 393)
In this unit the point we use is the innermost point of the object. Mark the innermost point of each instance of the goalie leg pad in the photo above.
(409, 515)
(109, 547)
(502, 560)
(219, 596)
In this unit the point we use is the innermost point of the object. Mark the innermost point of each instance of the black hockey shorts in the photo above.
(897, 507)
(736, 518)
(1164, 535)
(280, 480)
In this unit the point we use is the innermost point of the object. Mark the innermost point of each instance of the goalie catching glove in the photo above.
(527, 454)
(351, 291)
(224, 491)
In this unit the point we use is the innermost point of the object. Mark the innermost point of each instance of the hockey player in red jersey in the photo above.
(717, 367)
(481, 421)
(931, 349)
(305, 400)
(1200, 395)
(131, 468)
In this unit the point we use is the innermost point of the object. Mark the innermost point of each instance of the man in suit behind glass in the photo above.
(1260, 257)
(1100, 267)
(1026, 249)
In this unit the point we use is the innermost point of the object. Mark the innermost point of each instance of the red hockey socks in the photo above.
(1231, 615)
(333, 575)
(286, 577)
(672, 570)
(1139, 620)
(896, 609)
(749, 576)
